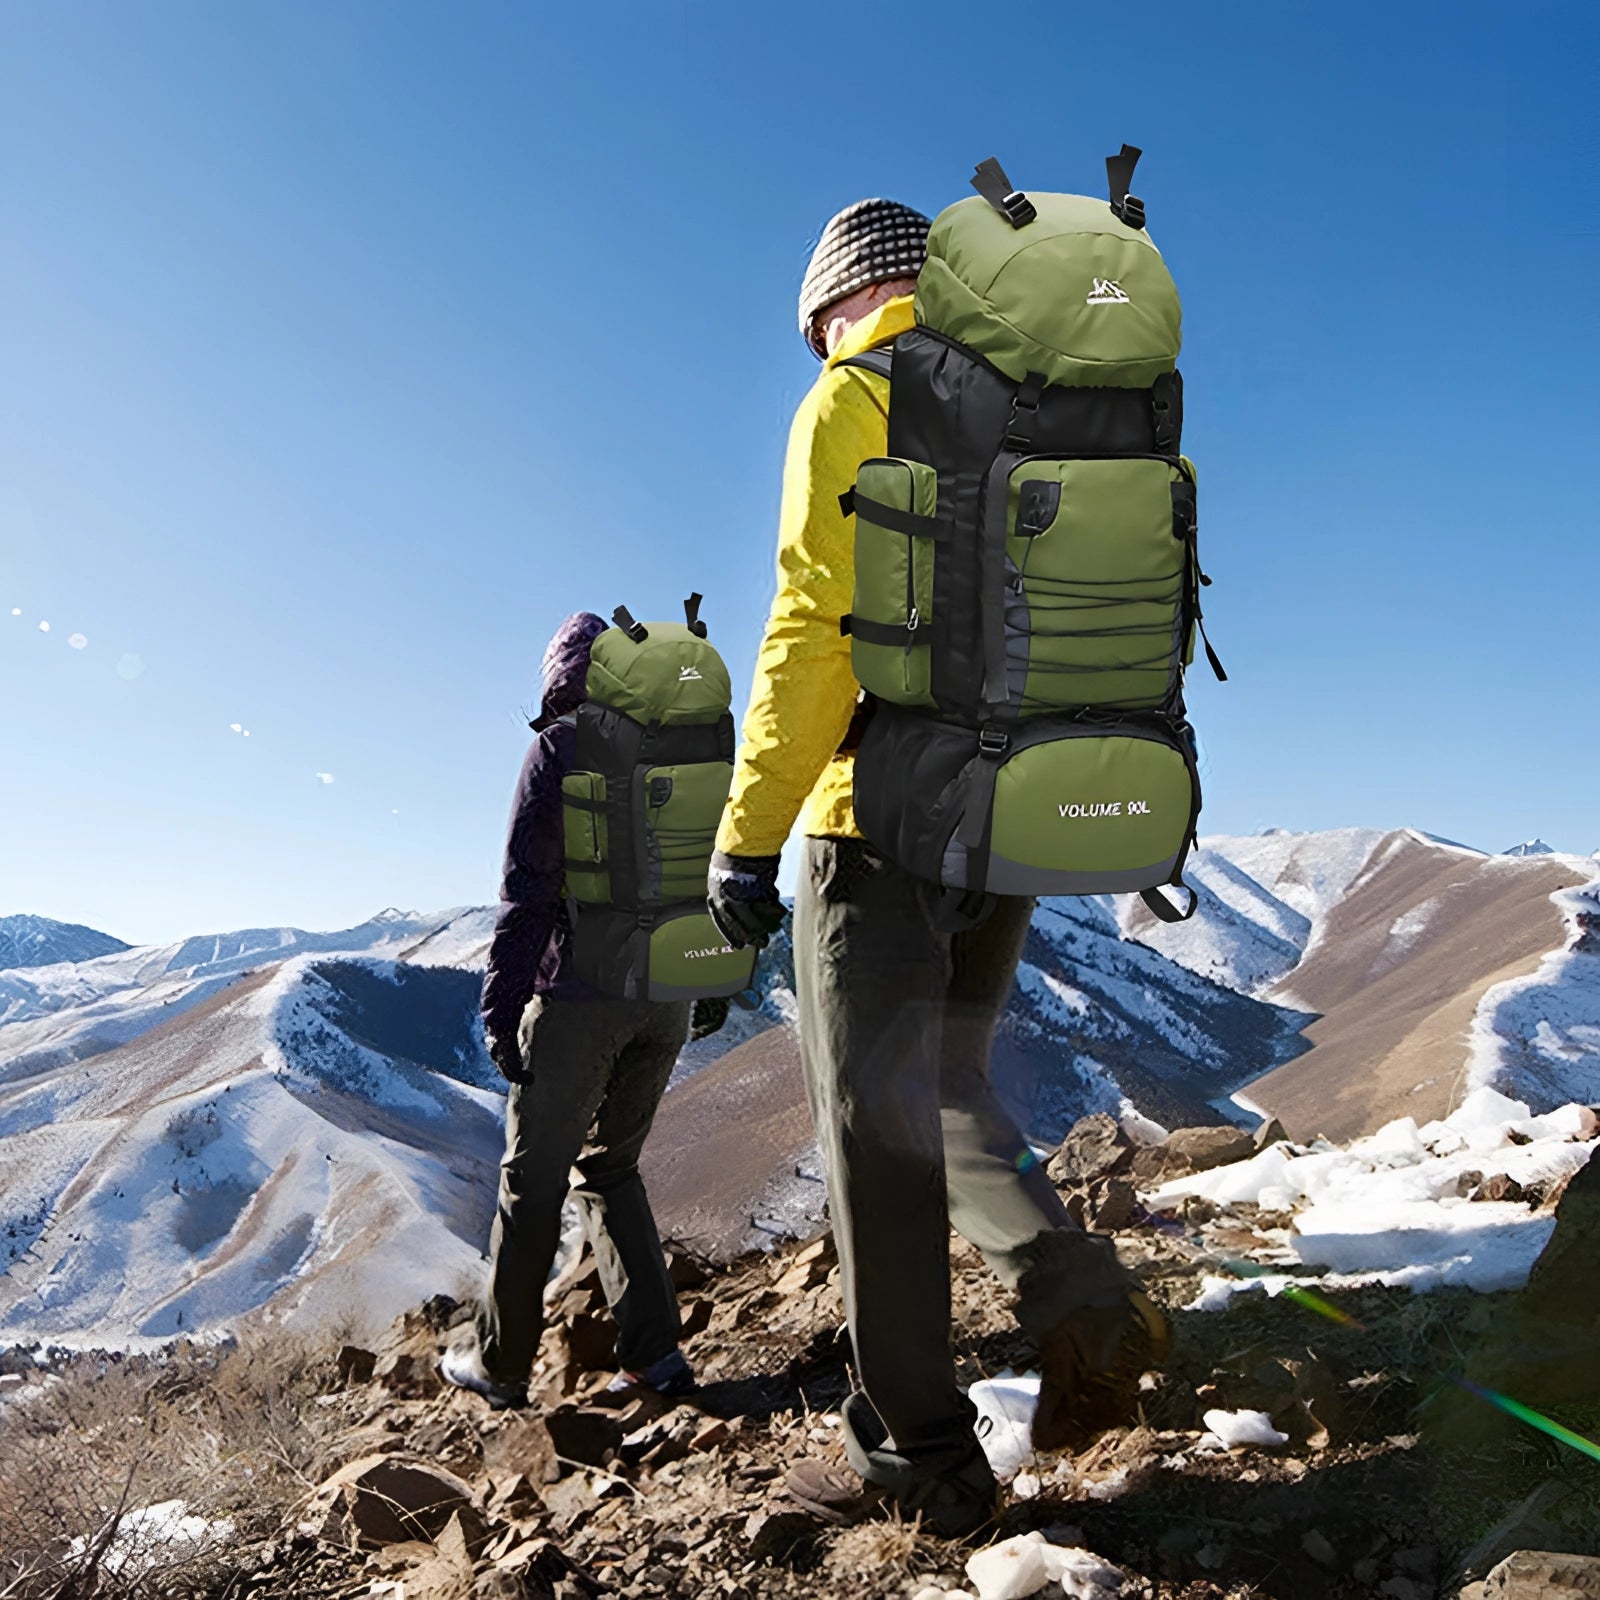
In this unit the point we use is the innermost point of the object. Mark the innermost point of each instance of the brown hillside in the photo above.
(721, 1136)
(1397, 975)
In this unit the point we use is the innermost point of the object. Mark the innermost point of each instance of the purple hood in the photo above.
(566, 666)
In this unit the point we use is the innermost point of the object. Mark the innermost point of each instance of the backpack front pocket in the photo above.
(1098, 568)
(890, 624)
(683, 806)
(583, 802)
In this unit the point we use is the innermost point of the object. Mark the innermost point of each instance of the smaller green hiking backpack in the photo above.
(641, 807)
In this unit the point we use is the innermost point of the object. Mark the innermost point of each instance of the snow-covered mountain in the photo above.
(40, 942)
(299, 1126)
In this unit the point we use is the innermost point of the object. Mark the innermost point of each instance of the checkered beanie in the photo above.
(869, 242)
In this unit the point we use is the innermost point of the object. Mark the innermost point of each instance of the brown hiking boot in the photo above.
(1092, 1361)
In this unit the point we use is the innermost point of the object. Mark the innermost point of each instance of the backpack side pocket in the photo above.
(583, 803)
(896, 506)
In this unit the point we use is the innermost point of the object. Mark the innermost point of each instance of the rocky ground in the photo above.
(1390, 1482)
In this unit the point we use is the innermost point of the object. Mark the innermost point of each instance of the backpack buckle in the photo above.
(993, 741)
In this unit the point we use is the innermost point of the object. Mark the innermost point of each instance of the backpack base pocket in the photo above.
(1074, 807)
(675, 953)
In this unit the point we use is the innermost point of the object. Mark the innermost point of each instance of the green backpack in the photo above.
(653, 764)
(1027, 582)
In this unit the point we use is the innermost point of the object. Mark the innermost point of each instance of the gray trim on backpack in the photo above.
(1014, 877)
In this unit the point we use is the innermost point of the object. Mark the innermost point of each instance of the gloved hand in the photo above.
(707, 1017)
(506, 1054)
(742, 897)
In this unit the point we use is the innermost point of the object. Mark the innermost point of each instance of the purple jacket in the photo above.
(530, 953)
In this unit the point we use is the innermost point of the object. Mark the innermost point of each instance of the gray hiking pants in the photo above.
(896, 1023)
(595, 1071)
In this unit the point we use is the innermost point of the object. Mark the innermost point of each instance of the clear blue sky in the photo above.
(344, 348)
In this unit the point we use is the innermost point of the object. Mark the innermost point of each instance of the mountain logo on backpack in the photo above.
(1107, 292)
(688, 675)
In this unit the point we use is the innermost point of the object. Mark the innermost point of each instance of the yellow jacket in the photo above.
(804, 691)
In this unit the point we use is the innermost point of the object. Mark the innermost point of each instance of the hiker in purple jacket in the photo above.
(587, 1072)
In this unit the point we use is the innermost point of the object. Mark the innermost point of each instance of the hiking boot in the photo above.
(954, 1495)
(1092, 1361)
(463, 1366)
(826, 1493)
(671, 1376)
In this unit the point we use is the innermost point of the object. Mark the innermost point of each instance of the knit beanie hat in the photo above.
(869, 242)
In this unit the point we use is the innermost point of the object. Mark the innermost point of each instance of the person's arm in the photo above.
(804, 690)
(530, 892)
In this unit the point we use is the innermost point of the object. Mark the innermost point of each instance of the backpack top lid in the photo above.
(662, 672)
(1070, 291)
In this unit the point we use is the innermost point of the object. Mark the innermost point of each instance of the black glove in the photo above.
(742, 897)
(506, 1054)
(707, 1017)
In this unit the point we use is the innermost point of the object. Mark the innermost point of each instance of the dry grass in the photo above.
(233, 1433)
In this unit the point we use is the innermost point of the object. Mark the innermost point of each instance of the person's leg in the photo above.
(567, 1050)
(611, 1196)
(1001, 1199)
(871, 971)
(1095, 1329)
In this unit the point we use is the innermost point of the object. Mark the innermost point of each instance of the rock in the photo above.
(1204, 1148)
(590, 1341)
(773, 1533)
(516, 1496)
(447, 1573)
(686, 1272)
(383, 1500)
(1499, 1187)
(1270, 1132)
(1317, 1547)
(1543, 1575)
(1467, 1184)
(696, 1319)
(713, 1433)
(1095, 1147)
(355, 1364)
(584, 1434)
(1113, 1204)
(521, 1444)
(1541, 1348)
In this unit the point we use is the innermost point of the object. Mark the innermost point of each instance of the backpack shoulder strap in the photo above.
(878, 361)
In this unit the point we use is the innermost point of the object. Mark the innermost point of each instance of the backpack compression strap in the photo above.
(691, 612)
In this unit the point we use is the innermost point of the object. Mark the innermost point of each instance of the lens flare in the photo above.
(1515, 1408)
(1307, 1298)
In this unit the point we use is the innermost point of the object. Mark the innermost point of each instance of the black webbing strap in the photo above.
(1185, 526)
(691, 613)
(636, 631)
(1119, 175)
(976, 832)
(581, 802)
(879, 361)
(912, 523)
(1164, 414)
(1164, 909)
(991, 182)
(875, 632)
(1018, 442)
(574, 865)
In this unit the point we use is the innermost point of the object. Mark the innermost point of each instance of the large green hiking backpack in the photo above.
(653, 764)
(1026, 574)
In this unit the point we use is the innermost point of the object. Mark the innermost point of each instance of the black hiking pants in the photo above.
(595, 1071)
(896, 1024)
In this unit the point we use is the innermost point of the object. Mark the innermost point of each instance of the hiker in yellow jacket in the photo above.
(897, 1013)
